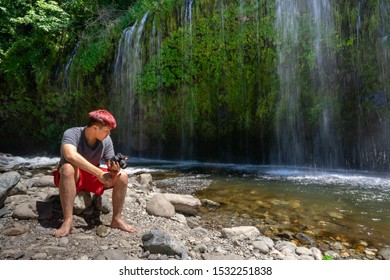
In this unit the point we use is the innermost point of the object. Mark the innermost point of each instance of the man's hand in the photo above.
(114, 167)
(106, 178)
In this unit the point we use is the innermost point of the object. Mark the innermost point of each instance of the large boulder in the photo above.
(82, 201)
(33, 209)
(158, 205)
(8, 181)
(186, 204)
(41, 181)
(158, 242)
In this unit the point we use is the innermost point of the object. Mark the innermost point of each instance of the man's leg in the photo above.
(67, 186)
(118, 199)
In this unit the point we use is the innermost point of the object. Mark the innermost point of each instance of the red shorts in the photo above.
(87, 182)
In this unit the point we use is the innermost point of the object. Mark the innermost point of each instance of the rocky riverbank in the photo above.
(167, 225)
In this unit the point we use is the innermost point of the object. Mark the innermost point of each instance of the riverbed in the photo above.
(349, 206)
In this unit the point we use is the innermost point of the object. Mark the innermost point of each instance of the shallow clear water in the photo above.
(340, 204)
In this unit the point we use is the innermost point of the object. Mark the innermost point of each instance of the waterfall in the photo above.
(187, 124)
(289, 122)
(293, 20)
(381, 151)
(126, 104)
(384, 45)
(306, 124)
(155, 43)
(66, 82)
(327, 145)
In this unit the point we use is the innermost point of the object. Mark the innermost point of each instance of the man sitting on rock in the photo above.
(82, 149)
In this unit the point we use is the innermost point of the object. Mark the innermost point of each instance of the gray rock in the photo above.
(201, 248)
(305, 239)
(145, 179)
(20, 188)
(102, 231)
(82, 201)
(192, 222)
(186, 204)
(8, 181)
(41, 182)
(283, 245)
(15, 229)
(101, 203)
(332, 254)
(26, 211)
(63, 242)
(385, 253)
(316, 253)
(306, 257)
(4, 211)
(33, 209)
(199, 232)
(261, 246)
(158, 205)
(210, 204)
(222, 257)
(110, 254)
(180, 218)
(267, 240)
(276, 255)
(303, 251)
(292, 257)
(39, 256)
(157, 242)
(286, 235)
(240, 233)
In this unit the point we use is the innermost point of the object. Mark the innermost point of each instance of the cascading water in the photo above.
(305, 29)
(289, 127)
(66, 82)
(187, 127)
(384, 45)
(372, 150)
(384, 62)
(155, 43)
(308, 121)
(126, 104)
(327, 146)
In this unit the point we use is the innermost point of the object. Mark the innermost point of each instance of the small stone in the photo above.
(102, 231)
(336, 215)
(261, 246)
(15, 229)
(64, 241)
(39, 256)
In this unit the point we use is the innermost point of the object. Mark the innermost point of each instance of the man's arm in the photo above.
(73, 157)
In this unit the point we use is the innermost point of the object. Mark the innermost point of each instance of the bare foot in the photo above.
(64, 230)
(120, 224)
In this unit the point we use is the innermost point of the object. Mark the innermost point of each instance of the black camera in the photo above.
(121, 159)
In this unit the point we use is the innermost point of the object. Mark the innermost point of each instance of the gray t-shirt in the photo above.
(76, 137)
